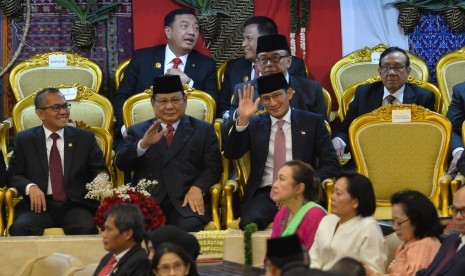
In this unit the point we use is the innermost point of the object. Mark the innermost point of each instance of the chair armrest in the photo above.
(457, 183)
(328, 186)
(444, 184)
(230, 187)
(215, 192)
(10, 195)
(2, 225)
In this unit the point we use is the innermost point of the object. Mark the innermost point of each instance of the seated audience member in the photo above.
(273, 56)
(350, 230)
(416, 223)
(174, 235)
(177, 57)
(171, 259)
(349, 267)
(246, 68)
(123, 232)
(50, 166)
(282, 251)
(450, 260)
(394, 69)
(296, 189)
(279, 135)
(180, 152)
(456, 115)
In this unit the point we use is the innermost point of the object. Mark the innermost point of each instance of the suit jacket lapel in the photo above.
(376, 100)
(263, 139)
(41, 147)
(409, 95)
(158, 67)
(68, 151)
(182, 134)
(246, 70)
(190, 67)
(457, 257)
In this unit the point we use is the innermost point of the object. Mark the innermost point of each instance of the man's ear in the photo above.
(128, 234)
(168, 32)
(290, 93)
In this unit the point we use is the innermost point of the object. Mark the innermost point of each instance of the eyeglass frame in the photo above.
(456, 211)
(165, 102)
(397, 69)
(399, 224)
(167, 269)
(268, 59)
(57, 107)
(275, 96)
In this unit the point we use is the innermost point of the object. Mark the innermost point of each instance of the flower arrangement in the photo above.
(100, 189)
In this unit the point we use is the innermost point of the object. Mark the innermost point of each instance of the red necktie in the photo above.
(176, 62)
(169, 134)
(279, 149)
(256, 72)
(108, 267)
(390, 99)
(56, 171)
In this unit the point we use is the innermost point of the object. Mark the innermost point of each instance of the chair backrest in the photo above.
(449, 72)
(92, 108)
(41, 71)
(138, 108)
(4, 128)
(119, 73)
(349, 94)
(87, 270)
(360, 65)
(55, 264)
(402, 155)
(220, 74)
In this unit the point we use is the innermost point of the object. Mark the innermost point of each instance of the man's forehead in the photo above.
(276, 52)
(185, 18)
(168, 95)
(271, 93)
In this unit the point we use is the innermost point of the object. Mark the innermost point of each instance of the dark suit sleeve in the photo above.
(126, 159)
(126, 89)
(456, 115)
(18, 168)
(320, 105)
(237, 143)
(351, 115)
(328, 163)
(297, 67)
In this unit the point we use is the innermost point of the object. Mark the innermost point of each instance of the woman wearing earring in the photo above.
(350, 230)
(416, 223)
(296, 189)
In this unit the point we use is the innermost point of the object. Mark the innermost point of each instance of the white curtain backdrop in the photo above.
(369, 23)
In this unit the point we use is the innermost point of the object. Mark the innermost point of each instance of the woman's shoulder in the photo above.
(431, 242)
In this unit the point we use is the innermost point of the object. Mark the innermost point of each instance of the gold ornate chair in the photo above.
(92, 108)
(36, 72)
(449, 72)
(105, 142)
(349, 94)
(119, 73)
(327, 98)
(403, 155)
(358, 66)
(220, 74)
(200, 105)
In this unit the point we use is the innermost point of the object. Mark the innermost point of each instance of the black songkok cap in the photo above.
(167, 84)
(274, 42)
(271, 83)
(281, 251)
(175, 235)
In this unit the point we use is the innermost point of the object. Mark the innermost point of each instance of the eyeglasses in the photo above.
(456, 211)
(399, 224)
(166, 269)
(164, 102)
(263, 60)
(276, 97)
(396, 69)
(57, 107)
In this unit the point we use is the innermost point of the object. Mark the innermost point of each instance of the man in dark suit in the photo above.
(51, 173)
(179, 151)
(245, 68)
(450, 260)
(394, 69)
(195, 69)
(123, 232)
(305, 138)
(456, 115)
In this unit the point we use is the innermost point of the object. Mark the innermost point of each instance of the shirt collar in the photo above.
(60, 132)
(286, 118)
(121, 255)
(175, 125)
(169, 56)
(398, 94)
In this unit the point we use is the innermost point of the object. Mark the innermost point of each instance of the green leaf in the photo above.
(107, 8)
(72, 6)
(94, 19)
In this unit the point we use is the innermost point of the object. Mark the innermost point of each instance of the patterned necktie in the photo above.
(447, 257)
(256, 72)
(176, 62)
(56, 171)
(106, 270)
(390, 99)
(279, 149)
(169, 134)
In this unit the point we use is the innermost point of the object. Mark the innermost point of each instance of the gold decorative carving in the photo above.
(80, 124)
(71, 59)
(83, 92)
(364, 55)
(385, 113)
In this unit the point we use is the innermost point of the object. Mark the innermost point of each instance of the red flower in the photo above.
(152, 212)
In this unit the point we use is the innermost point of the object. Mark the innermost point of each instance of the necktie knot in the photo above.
(390, 99)
(280, 124)
(176, 62)
(54, 136)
